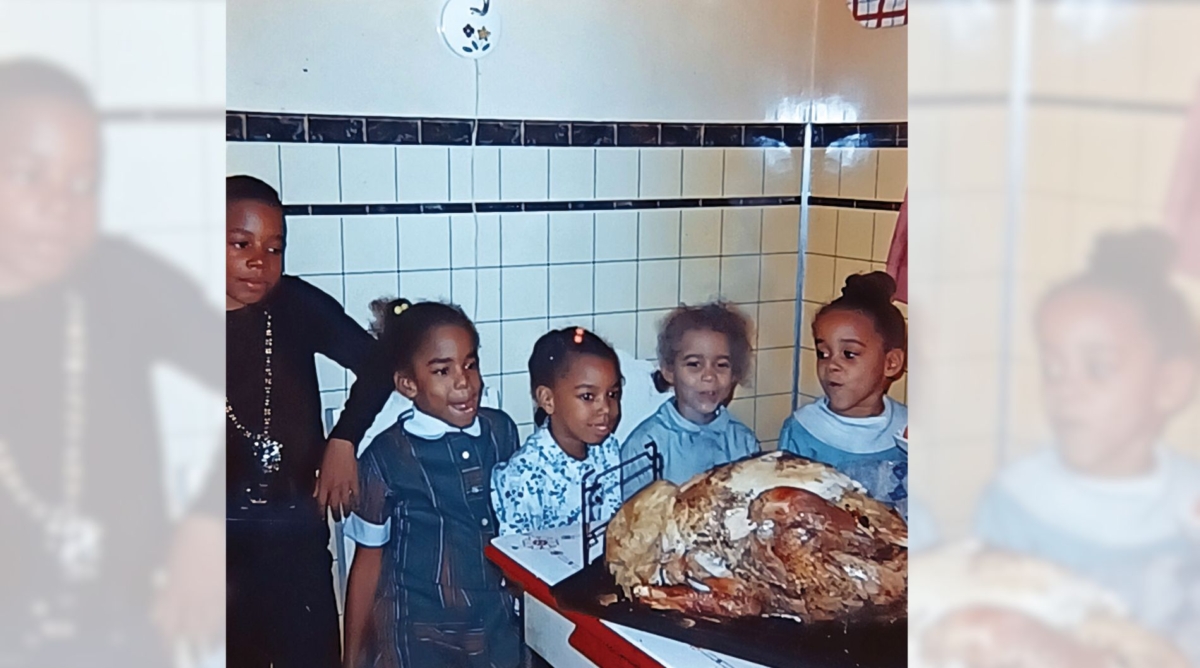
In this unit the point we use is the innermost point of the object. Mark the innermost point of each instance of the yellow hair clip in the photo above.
(399, 308)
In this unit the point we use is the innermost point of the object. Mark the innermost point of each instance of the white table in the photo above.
(551, 556)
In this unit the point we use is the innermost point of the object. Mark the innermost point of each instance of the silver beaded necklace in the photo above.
(268, 452)
(74, 539)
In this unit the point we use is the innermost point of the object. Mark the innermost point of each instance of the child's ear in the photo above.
(545, 399)
(668, 373)
(405, 386)
(893, 363)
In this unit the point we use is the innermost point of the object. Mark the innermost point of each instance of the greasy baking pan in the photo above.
(769, 641)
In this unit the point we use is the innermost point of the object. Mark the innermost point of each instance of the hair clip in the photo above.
(399, 308)
(578, 335)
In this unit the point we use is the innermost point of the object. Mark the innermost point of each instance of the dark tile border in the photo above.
(583, 205)
(314, 128)
(848, 203)
(860, 135)
(541, 207)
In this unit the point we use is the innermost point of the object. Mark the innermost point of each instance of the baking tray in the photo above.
(770, 641)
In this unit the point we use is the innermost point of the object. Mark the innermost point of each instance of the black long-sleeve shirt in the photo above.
(305, 321)
(138, 311)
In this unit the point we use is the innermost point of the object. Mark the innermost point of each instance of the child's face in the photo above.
(1107, 388)
(253, 252)
(852, 365)
(49, 152)
(445, 380)
(585, 402)
(702, 374)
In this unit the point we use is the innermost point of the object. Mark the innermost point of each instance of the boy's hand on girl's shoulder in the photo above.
(337, 483)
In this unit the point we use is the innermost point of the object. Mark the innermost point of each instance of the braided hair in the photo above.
(402, 327)
(553, 353)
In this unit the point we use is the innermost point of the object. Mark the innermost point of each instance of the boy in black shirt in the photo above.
(281, 608)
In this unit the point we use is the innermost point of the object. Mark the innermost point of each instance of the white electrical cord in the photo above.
(474, 207)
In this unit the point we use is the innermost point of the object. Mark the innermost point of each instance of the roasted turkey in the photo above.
(774, 534)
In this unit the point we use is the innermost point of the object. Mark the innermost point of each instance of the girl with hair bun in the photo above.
(1118, 351)
(860, 339)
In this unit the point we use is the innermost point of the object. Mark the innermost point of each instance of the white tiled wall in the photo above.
(844, 241)
(520, 274)
(161, 187)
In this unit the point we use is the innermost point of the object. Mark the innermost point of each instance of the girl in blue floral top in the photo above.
(576, 382)
(421, 592)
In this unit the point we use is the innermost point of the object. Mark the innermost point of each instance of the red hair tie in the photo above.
(578, 335)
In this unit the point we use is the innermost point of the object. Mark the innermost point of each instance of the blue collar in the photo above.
(674, 418)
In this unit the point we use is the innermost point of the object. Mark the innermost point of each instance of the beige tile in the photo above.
(885, 228)
(781, 229)
(1115, 67)
(778, 277)
(739, 279)
(701, 232)
(702, 172)
(662, 172)
(893, 174)
(826, 165)
(572, 173)
(818, 278)
(822, 230)
(843, 268)
(1172, 64)
(699, 280)
(899, 390)
(743, 409)
(774, 371)
(648, 323)
(743, 172)
(776, 324)
(658, 233)
(860, 167)
(260, 160)
(770, 414)
(806, 322)
(741, 231)
(855, 234)
(809, 384)
(782, 170)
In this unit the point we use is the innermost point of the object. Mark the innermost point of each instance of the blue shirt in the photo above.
(866, 449)
(687, 448)
(1129, 535)
(540, 486)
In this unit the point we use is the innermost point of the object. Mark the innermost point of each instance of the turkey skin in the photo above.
(773, 534)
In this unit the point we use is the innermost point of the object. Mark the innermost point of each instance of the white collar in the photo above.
(423, 425)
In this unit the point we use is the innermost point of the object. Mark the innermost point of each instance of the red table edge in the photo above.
(599, 643)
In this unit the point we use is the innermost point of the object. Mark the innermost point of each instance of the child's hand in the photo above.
(337, 485)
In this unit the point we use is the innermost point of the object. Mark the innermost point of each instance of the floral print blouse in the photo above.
(539, 488)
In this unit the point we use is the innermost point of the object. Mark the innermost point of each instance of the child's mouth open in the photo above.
(466, 408)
